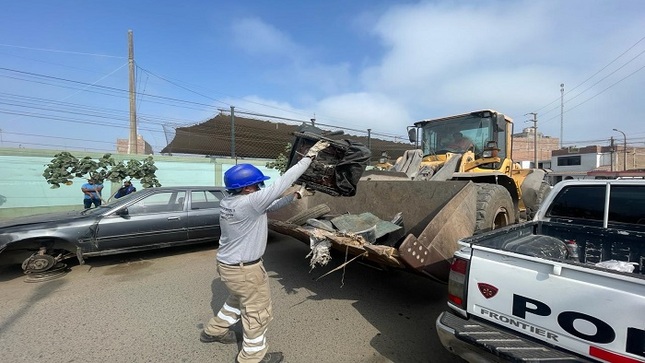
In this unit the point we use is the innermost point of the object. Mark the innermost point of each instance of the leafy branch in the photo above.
(281, 162)
(64, 167)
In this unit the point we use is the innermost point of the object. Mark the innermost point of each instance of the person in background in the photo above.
(126, 189)
(244, 225)
(91, 193)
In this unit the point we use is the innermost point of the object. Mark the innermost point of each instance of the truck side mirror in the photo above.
(491, 150)
(412, 134)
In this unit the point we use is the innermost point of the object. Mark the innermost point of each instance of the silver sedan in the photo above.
(148, 219)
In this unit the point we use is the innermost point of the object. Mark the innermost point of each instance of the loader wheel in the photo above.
(542, 192)
(313, 212)
(495, 208)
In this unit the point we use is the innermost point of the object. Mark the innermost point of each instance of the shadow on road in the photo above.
(149, 255)
(8, 273)
(45, 289)
(402, 306)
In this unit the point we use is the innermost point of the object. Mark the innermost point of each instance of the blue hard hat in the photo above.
(243, 175)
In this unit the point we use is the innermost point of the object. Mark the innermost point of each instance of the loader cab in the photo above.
(485, 133)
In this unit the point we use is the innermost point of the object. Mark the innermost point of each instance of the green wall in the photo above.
(24, 191)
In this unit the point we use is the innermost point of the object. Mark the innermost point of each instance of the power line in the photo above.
(593, 75)
(182, 87)
(597, 94)
(60, 51)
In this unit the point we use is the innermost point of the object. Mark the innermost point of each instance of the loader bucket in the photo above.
(435, 215)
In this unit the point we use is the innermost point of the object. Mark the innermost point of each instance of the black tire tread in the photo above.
(489, 198)
(542, 192)
(313, 212)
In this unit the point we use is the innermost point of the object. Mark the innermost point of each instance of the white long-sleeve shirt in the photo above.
(243, 217)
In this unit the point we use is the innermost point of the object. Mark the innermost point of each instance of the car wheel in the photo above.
(38, 263)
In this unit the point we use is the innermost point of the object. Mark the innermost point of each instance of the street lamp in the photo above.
(624, 149)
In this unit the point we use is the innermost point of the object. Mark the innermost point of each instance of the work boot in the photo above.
(228, 338)
(273, 357)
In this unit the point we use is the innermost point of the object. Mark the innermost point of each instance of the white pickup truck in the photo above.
(558, 288)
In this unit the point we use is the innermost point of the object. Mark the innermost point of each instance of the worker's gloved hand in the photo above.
(314, 150)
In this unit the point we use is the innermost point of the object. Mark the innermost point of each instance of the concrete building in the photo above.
(594, 161)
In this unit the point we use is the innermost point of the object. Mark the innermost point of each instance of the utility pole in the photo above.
(561, 113)
(132, 147)
(624, 149)
(535, 136)
(233, 133)
(611, 150)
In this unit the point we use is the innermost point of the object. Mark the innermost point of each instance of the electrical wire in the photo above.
(595, 74)
(60, 51)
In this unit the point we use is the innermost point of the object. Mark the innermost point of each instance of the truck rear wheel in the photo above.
(495, 208)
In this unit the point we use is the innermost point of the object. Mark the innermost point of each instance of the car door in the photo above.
(156, 219)
(203, 214)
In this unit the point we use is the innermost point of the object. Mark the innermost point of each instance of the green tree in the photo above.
(281, 162)
(64, 167)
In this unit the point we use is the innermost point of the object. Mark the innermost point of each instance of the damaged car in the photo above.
(149, 219)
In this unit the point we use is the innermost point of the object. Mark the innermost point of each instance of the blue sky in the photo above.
(357, 64)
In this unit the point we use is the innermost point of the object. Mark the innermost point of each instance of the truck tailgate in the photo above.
(593, 312)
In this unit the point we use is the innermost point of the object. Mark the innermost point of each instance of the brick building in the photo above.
(524, 147)
(122, 146)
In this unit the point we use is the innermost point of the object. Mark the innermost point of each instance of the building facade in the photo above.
(594, 161)
(524, 148)
(123, 145)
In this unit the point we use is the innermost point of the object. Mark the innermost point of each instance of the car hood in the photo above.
(43, 218)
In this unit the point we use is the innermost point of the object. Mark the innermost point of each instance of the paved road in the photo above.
(150, 307)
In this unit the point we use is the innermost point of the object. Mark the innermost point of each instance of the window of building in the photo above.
(569, 160)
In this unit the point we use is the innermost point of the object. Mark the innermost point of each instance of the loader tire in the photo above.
(313, 212)
(542, 192)
(495, 208)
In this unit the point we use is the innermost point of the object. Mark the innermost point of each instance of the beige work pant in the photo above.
(249, 299)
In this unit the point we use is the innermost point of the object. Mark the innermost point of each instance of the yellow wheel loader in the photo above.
(459, 181)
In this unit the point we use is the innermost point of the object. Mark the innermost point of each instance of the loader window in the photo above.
(439, 137)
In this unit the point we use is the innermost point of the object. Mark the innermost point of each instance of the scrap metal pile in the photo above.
(395, 223)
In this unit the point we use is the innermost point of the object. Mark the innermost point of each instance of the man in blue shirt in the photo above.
(126, 189)
(91, 193)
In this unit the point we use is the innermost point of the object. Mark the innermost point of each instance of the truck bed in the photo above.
(547, 240)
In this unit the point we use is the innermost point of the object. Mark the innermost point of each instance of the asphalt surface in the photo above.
(151, 307)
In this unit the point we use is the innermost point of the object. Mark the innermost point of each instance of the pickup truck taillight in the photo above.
(457, 282)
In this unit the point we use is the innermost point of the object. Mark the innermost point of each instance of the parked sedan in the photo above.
(148, 219)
